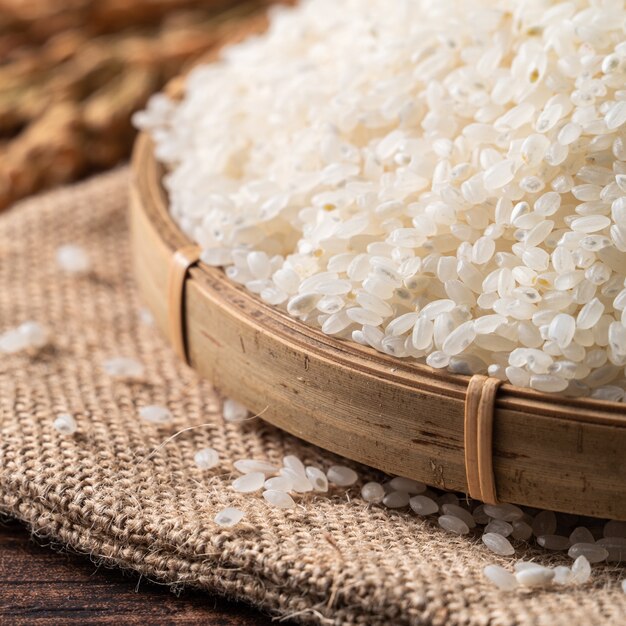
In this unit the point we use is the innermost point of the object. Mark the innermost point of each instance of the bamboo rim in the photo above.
(455, 385)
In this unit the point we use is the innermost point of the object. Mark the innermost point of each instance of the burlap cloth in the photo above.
(333, 560)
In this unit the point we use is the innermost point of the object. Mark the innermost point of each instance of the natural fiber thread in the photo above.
(181, 261)
(479, 412)
(333, 560)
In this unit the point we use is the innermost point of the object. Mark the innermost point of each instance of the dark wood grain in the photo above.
(39, 585)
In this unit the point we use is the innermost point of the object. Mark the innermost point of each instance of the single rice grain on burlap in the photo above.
(113, 491)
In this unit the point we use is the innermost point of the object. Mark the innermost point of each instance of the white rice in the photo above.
(28, 336)
(297, 485)
(429, 182)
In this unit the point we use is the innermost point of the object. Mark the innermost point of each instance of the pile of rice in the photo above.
(439, 180)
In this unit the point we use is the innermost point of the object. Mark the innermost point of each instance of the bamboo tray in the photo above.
(401, 417)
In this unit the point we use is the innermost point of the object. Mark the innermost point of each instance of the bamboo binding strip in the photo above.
(478, 437)
(180, 263)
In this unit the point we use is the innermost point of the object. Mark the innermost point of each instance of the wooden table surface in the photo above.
(40, 585)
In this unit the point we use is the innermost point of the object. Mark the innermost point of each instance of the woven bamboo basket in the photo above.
(496, 443)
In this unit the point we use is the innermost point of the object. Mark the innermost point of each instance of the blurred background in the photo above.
(72, 72)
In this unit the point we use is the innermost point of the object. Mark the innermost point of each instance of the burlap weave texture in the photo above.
(116, 492)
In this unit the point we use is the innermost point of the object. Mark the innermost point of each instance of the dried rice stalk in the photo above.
(39, 20)
(65, 104)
